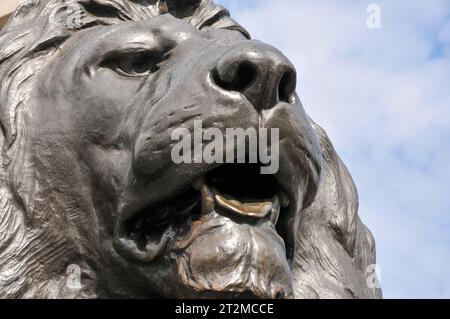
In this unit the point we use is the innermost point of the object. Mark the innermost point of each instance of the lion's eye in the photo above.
(137, 64)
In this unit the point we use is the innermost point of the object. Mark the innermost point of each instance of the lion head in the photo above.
(90, 92)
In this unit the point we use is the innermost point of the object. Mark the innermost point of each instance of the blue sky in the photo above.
(383, 95)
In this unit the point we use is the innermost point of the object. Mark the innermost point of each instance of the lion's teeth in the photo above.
(199, 183)
(284, 200)
(275, 212)
(207, 199)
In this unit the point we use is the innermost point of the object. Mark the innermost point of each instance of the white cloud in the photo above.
(384, 98)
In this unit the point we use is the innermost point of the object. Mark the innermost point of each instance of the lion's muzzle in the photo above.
(260, 72)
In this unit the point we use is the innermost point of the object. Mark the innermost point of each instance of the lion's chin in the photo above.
(227, 259)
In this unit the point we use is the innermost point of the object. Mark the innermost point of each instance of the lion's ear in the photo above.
(334, 248)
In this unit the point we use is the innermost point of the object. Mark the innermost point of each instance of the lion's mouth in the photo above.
(236, 191)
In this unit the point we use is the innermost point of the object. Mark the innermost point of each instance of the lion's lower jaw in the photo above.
(235, 262)
(224, 249)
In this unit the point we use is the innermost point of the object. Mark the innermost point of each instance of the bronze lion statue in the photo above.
(90, 91)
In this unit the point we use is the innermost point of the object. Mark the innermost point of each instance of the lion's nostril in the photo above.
(237, 79)
(287, 86)
(260, 73)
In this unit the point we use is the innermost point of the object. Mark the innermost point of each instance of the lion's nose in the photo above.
(258, 71)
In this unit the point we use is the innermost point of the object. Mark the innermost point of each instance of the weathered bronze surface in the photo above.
(90, 91)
